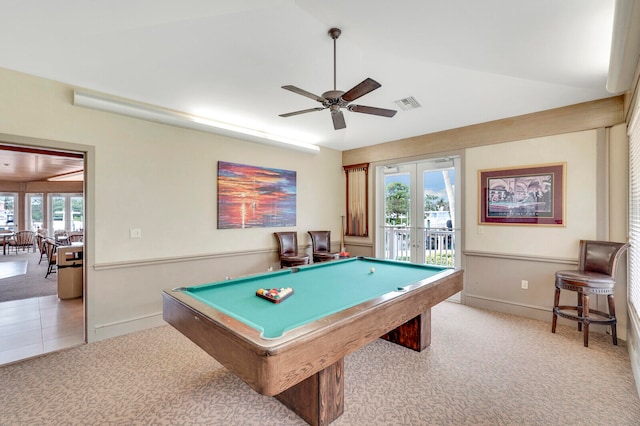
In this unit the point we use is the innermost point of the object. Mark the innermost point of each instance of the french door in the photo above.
(66, 212)
(418, 212)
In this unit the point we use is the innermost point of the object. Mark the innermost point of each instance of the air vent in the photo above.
(408, 103)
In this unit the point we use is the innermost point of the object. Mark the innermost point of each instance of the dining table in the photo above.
(6, 237)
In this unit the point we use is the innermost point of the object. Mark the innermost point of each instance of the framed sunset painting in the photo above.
(255, 197)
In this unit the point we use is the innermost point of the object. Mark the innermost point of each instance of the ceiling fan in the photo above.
(337, 99)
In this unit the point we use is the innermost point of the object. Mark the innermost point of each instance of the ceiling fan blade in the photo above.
(299, 91)
(372, 110)
(361, 89)
(304, 111)
(338, 120)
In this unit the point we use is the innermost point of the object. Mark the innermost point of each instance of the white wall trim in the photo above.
(528, 258)
(506, 302)
(178, 259)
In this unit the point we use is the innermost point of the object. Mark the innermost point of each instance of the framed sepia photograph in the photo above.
(531, 195)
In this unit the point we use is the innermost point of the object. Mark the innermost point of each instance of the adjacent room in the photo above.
(300, 212)
(41, 200)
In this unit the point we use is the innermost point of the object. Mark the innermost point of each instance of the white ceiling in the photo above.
(465, 61)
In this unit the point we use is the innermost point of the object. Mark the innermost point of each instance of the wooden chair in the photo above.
(40, 243)
(61, 236)
(51, 250)
(321, 246)
(288, 250)
(23, 240)
(597, 264)
(75, 238)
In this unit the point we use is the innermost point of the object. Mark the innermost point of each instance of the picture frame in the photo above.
(255, 197)
(529, 195)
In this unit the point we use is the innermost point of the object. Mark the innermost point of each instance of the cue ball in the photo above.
(372, 270)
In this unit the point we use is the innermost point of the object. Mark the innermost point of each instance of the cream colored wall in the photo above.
(162, 180)
(619, 182)
(499, 257)
(578, 151)
(170, 180)
(496, 258)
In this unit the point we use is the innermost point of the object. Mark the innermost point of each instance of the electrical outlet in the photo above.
(525, 284)
(135, 233)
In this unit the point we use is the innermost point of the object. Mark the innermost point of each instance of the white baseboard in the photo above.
(541, 313)
(633, 345)
(107, 331)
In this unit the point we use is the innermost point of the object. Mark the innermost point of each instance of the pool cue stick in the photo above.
(342, 234)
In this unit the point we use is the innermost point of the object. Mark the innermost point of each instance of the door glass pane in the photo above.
(77, 215)
(439, 214)
(8, 212)
(397, 214)
(58, 212)
(35, 215)
(397, 200)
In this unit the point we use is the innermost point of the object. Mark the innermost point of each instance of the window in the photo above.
(8, 212)
(66, 212)
(77, 213)
(633, 259)
(35, 214)
(57, 204)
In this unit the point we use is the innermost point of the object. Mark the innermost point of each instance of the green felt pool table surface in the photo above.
(319, 290)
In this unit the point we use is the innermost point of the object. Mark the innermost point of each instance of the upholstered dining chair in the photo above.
(321, 246)
(597, 265)
(288, 250)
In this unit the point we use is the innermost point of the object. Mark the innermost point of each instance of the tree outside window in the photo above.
(397, 204)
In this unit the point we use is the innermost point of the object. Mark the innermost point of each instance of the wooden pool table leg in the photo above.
(414, 334)
(319, 399)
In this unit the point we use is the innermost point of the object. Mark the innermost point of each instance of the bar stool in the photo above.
(597, 264)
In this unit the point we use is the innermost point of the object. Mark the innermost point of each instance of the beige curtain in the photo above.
(357, 200)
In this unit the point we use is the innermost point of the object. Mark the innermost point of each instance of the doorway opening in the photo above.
(39, 312)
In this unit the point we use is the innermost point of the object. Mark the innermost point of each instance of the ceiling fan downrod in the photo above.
(334, 33)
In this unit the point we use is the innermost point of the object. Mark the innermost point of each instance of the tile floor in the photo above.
(32, 327)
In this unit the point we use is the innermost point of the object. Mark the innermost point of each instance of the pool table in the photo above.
(294, 350)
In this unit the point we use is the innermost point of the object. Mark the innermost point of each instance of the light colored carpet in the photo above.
(31, 282)
(482, 368)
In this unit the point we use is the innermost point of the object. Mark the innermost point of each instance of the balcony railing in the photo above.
(438, 245)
